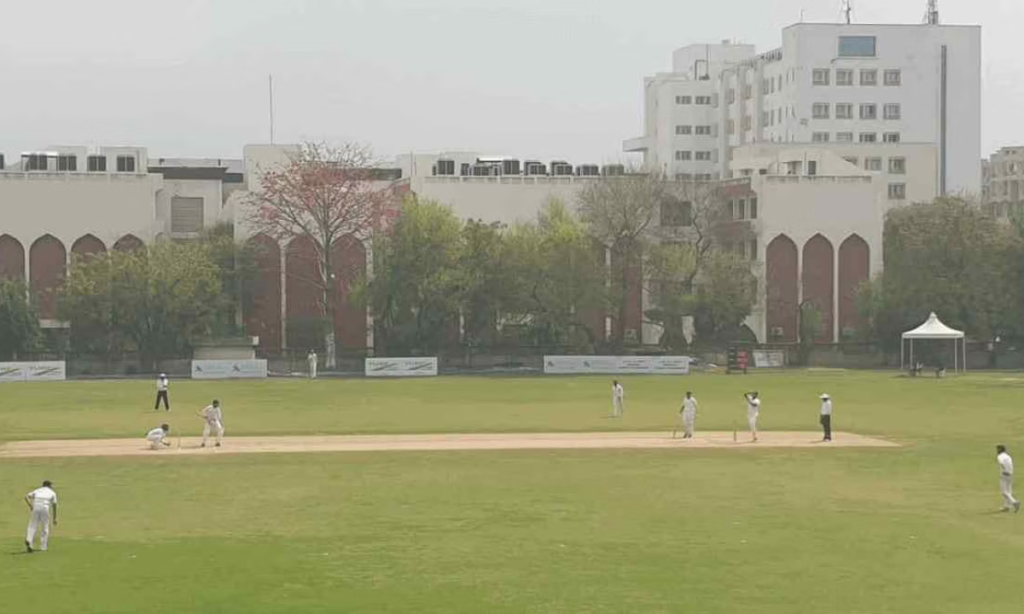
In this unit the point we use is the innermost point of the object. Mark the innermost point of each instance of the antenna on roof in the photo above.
(932, 16)
(847, 12)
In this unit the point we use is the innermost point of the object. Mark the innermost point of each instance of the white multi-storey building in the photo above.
(1003, 182)
(829, 84)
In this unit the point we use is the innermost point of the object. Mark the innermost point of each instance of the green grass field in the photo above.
(910, 529)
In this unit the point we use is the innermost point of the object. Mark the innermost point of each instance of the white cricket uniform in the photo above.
(1006, 479)
(43, 500)
(618, 395)
(753, 409)
(213, 417)
(689, 415)
(155, 438)
(312, 360)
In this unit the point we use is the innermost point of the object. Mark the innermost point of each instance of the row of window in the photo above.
(868, 77)
(684, 130)
(844, 110)
(701, 156)
(701, 100)
(696, 176)
(847, 137)
(69, 163)
(897, 165)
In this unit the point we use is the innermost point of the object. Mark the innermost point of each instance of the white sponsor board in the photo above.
(617, 365)
(229, 369)
(769, 359)
(401, 367)
(49, 371)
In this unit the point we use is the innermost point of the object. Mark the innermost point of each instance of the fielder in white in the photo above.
(214, 422)
(43, 503)
(618, 396)
(689, 413)
(1006, 479)
(312, 359)
(753, 409)
(158, 436)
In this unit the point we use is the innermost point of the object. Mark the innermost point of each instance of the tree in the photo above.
(620, 212)
(669, 272)
(725, 295)
(19, 321)
(237, 267)
(484, 280)
(156, 301)
(325, 194)
(416, 288)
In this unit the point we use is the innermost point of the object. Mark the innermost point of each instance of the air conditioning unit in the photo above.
(560, 168)
(510, 167)
(534, 168)
(613, 170)
(445, 168)
(588, 170)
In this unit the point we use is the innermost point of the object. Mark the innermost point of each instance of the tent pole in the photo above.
(956, 357)
(903, 342)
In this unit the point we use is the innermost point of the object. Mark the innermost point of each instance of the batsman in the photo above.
(213, 418)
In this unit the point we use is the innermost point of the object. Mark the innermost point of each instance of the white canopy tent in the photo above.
(935, 329)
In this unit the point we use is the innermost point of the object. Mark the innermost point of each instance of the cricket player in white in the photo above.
(753, 409)
(618, 395)
(311, 359)
(1006, 479)
(826, 416)
(158, 436)
(213, 417)
(43, 503)
(689, 412)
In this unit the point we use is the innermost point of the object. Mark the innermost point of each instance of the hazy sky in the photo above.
(530, 78)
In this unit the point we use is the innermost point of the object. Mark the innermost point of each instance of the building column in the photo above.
(836, 333)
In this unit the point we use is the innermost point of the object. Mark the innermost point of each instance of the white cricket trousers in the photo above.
(688, 420)
(216, 427)
(39, 521)
(752, 422)
(312, 370)
(617, 408)
(1006, 487)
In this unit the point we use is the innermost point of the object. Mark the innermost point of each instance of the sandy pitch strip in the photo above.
(496, 441)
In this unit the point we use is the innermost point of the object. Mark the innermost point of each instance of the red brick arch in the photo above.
(854, 269)
(263, 311)
(12, 259)
(349, 262)
(87, 245)
(782, 285)
(47, 262)
(129, 243)
(819, 282)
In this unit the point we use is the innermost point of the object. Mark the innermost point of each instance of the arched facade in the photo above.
(819, 283)
(854, 269)
(349, 261)
(263, 297)
(47, 262)
(783, 292)
(86, 246)
(12, 259)
(128, 243)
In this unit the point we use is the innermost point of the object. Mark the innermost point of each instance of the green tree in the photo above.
(237, 269)
(726, 292)
(155, 301)
(484, 280)
(669, 273)
(19, 321)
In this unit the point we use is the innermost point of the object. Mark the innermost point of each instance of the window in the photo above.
(819, 110)
(821, 76)
(819, 137)
(730, 127)
(126, 164)
(893, 77)
(730, 96)
(852, 160)
(447, 168)
(683, 130)
(857, 47)
(703, 155)
(897, 166)
(684, 99)
(844, 137)
(186, 214)
(892, 111)
(868, 137)
(702, 130)
(97, 164)
(676, 213)
(748, 92)
(891, 137)
(780, 83)
(844, 110)
(872, 164)
(869, 77)
(703, 100)
(745, 123)
(812, 167)
(35, 162)
(844, 76)
(753, 252)
(67, 163)
(684, 177)
(682, 156)
(753, 208)
(897, 191)
(740, 213)
(869, 111)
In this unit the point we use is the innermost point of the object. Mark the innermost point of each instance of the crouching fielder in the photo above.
(43, 502)
(158, 436)
(213, 417)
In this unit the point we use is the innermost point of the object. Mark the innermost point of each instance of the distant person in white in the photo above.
(311, 358)
(753, 409)
(161, 393)
(158, 436)
(214, 422)
(826, 416)
(689, 413)
(1006, 479)
(43, 503)
(618, 395)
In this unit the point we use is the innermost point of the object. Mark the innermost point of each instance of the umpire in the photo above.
(826, 416)
(161, 393)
